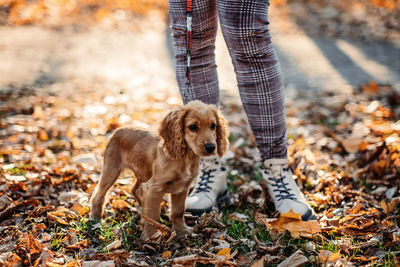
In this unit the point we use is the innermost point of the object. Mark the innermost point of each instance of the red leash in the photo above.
(189, 9)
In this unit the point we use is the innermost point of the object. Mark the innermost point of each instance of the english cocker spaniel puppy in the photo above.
(167, 163)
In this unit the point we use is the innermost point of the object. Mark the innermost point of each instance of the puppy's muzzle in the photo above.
(209, 148)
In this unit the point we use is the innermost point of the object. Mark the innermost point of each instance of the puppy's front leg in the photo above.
(177, 210)
(151, 208)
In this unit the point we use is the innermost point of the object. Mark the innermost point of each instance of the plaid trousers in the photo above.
(244, 25)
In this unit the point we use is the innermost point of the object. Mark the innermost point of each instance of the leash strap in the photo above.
(189, 9)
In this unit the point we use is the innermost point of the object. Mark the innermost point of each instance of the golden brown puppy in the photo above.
(166, 165)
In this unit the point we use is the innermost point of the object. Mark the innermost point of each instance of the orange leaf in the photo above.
(14, 260)
(119, 204)
(102, 14)
(326, 256)
(259, 263)
(166, 254)
(43, 135)
(293, 223)
(53, 217)
(291, 214)
(371, 88)
(79, 209)
(384, 206)
(224, 252)
(392, 205)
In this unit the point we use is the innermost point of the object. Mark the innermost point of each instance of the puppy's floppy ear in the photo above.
(172, 132)
(222, 134)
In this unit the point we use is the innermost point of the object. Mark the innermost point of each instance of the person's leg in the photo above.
(211, 187)
(244, 24)
(204, 79)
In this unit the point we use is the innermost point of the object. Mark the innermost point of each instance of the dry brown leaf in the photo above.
(14, 260)
(192, 259)
(350, 143)
(328, 257)
(291, 215)
(384, 206)
(53, 217)
(292, 222)
(371, 88)
(43, 136)
(365, 259)
(79, 209)
(114, 245)
(119, 204)
(259, 263)
(79, 245)
(224, 252)
(295, 260)
(392, 205)
(52, 264)
(166, 254)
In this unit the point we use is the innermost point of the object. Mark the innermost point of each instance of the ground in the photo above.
(65, 87)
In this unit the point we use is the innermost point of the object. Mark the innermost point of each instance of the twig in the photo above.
(156, 224)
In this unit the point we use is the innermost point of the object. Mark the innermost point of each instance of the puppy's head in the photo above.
(196, 126)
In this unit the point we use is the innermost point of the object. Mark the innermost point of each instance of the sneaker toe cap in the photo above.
(198, 203)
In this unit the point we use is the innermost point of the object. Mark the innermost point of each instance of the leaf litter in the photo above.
(355, 192)
(343, 149)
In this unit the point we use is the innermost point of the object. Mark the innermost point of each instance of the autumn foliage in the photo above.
(344, 148)
(64, 12)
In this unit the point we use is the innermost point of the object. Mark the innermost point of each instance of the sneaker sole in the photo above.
(222, 198)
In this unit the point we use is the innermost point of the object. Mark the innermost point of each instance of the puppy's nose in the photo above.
(209, 147)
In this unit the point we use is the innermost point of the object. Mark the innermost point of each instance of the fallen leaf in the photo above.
(259, 263)
(292, 222)
(119, 204)
(295, 260)
(55, 218)
(328, 257)
(292, 215)
(392, 205)
(80, 209)
(384, 206)
(166, 254)
(114, 245)
(224, 252)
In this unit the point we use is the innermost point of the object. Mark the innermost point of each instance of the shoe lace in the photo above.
(203, 184)
(281, 187)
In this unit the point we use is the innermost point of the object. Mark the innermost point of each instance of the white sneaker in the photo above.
(211, 189)
(283, 189)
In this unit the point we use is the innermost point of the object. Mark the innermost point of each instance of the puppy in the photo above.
(167, 163)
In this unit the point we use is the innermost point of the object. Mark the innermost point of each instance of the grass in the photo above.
(238, 229)
(263, 234)
(244, 231)
(125, 227)
(16, 171)
(129, 235)
(57, 240)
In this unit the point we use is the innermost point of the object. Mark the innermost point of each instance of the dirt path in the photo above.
(60, 60)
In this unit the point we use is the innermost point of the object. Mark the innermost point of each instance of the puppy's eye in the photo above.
(193, 127)
(213, 126)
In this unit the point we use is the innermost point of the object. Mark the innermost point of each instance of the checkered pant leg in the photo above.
(203, 70)
(244, 24)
